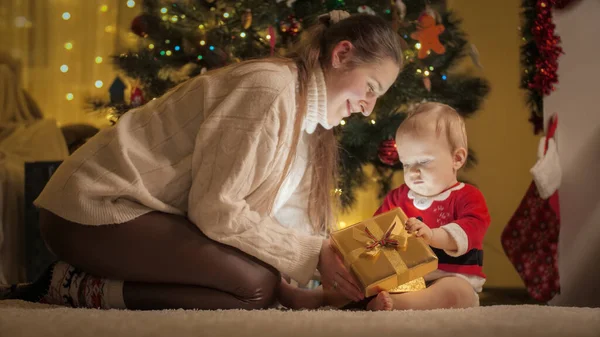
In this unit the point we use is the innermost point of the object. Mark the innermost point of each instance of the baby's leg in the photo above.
(447, 292)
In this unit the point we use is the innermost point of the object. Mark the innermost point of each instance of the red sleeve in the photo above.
(473, 217)
(391, 201)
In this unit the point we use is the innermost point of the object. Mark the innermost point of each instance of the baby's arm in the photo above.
(436, 237)
(471, 223)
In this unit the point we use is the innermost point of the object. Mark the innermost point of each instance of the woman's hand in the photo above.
(335, 275)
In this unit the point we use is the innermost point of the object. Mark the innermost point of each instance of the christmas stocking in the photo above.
(530, 239)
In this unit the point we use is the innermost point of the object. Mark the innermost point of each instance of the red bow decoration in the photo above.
(386, 240)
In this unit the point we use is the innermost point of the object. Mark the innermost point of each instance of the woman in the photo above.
(203, 197)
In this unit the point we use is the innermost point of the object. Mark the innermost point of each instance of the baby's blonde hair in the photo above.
(447, 121)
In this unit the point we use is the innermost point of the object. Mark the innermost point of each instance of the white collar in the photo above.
(316, 103)
(423, 203)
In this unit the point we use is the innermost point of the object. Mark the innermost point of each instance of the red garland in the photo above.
(547, 43)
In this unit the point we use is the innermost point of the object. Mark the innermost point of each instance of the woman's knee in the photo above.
(258, 290)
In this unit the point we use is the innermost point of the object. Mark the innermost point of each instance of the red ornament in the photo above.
(387, 152)
(137, 97)
(140, 25)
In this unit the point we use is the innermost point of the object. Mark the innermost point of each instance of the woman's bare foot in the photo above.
(297, 298)
(383, 301)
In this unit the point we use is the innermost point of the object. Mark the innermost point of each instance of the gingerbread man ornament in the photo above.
(428, 35)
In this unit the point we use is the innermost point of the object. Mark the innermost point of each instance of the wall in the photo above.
(35, 32)
(578, 138)
(499, 133)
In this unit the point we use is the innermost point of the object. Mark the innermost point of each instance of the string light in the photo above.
(66, 16)
(174, 18)
(201, 27)
(162, 53)
(64, 68)
(225, 15)
(104, 8)
(242, 34)
(165, 17)
(163, 10)
(98, 59)
(268, 37)
(69, 97)
(200, 57)
(419, 71)
(373, 121)
(342, 122)
(177, 48)
(211, 48)
(426, 73)
(418, 45)
(130, 3)
(202, 42)
(98, 84)
(182, 16)
(68, 46)
(431, 68)
(169, 53)
(151, 46)
(444, 77)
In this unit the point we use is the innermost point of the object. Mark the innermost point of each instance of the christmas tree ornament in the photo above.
(387, 152)
(136, 97)
(291, 26)
(401, 7)
(247, 18)
(365, 10)
(272, 39)
(474, 54)
(428, 32)
(144, 24)
(427, 83)
(117, 91)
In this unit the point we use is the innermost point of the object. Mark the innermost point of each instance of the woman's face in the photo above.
(355, 90)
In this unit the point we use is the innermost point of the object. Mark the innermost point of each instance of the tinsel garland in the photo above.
(540, 61)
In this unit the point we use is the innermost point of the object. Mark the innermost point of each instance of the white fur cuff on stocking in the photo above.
(546, 172)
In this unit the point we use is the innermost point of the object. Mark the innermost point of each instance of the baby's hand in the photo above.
(416, 226)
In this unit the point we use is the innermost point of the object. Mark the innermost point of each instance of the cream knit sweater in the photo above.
(213, 149)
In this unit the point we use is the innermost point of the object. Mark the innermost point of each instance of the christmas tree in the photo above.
(181, 39)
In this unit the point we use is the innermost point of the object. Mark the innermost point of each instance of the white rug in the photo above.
(25, 319)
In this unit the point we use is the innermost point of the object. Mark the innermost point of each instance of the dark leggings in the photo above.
(165, 261)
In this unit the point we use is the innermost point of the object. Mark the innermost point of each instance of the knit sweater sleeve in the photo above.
(235, 151)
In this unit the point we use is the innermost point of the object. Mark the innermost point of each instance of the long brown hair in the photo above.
(374, 40)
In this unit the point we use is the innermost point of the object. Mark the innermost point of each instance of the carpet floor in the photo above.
(19, 318)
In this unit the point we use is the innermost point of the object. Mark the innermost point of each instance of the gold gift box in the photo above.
(382, 255)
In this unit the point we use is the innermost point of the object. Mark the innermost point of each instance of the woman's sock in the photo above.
(63, 284)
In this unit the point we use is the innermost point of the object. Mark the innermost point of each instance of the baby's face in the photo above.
(429, 165)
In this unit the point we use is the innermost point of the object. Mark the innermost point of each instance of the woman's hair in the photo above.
(447, 122)
(374, 41)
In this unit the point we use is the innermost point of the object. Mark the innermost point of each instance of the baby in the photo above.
(451, 216)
